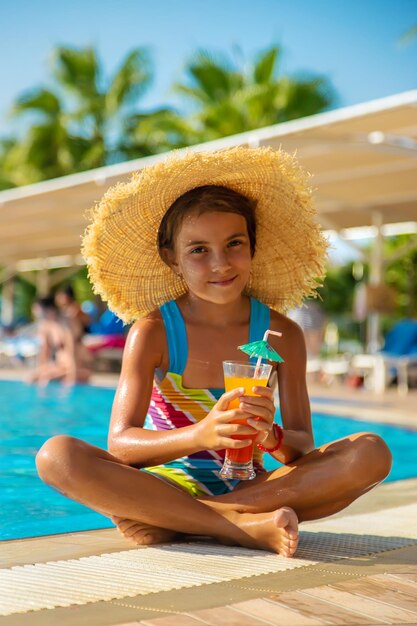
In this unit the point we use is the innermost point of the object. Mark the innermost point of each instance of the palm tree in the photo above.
(160, 131)
(85, 120)
(79, 122)
(47, 149)
(229, 97)
(100, 106)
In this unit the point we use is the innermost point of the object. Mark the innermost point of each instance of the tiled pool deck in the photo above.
(358, 576)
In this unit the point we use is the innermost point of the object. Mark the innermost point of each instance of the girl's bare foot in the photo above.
(276, 531)
(142, 534)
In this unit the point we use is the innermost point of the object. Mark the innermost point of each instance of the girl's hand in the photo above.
(215, 431)
(262, 411)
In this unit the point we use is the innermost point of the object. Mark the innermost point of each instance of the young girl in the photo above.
(202, 252)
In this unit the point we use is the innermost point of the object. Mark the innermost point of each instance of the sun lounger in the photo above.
(396, 359)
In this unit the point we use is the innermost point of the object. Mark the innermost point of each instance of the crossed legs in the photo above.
(260, 514)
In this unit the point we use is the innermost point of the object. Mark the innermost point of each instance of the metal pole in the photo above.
(375, 278)
(43, 282)
(7, 302)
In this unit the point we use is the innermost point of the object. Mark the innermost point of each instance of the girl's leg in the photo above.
(99, 480)
(317, 485)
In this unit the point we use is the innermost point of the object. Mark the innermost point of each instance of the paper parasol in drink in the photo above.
(262, 350)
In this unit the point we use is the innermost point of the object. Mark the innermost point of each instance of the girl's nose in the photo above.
(220, 263)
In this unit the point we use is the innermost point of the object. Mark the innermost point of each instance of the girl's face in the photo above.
(212, 252)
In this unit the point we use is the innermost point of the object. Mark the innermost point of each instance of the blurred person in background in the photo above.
(72, 311)
(61, 354)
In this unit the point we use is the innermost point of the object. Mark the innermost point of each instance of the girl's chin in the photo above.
(220, 297)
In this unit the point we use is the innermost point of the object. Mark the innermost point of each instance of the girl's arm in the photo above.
(144, 353)
(294, 402)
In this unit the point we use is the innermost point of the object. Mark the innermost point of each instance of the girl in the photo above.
(202, 252)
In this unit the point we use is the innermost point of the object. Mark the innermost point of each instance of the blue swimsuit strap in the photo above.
(177, 336)
(260, 317)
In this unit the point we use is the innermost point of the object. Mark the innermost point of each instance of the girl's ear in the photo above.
(168, 257)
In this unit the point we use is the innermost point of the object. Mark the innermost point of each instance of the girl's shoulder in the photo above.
(291, 345)
(148, 328)
(148, 335)
(292, 334)
(280, 320)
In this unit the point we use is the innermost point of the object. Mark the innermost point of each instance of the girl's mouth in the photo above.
(223, 283)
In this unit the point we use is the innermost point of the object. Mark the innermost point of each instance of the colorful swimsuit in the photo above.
(174, 406)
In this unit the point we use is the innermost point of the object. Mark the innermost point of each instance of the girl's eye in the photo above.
(234, 243)
(198, 250)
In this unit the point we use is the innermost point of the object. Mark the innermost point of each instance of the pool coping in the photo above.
(84, 543)
(181, 602)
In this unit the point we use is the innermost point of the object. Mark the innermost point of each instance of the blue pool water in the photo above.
(29, 416)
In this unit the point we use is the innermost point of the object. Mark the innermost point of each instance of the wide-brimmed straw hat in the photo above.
(120, 245)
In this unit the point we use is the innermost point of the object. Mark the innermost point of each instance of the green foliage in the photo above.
(265, 66)
(86, 119)
(229, 97)
(24, 294)
(82, 286)
(339, 286)
(338, 289)
(79, 122)
(402, 274)
(157, 132)
(40, 100)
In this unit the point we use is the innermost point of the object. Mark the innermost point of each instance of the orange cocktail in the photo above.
(238, 462)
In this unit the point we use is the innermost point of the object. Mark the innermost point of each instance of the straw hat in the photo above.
(120, 245)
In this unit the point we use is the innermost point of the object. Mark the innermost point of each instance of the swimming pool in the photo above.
(29, 416)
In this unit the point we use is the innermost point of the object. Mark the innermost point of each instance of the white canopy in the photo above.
(363, 159)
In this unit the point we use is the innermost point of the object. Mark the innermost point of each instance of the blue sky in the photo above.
(354, 43)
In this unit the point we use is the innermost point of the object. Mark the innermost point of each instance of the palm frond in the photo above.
(38, 100)
(78, 70)
(265, 66)
(130, 81)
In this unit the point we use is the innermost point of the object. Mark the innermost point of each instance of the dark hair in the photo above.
(205, 200)
(68, 291)
(47, 304)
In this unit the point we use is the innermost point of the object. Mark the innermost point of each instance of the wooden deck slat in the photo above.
(275, 613)
(172, 620)
(377, 599)
(408, 586)
(375, 590)
(325, 611)
(226, 616)
(384, 612)
(411, 576)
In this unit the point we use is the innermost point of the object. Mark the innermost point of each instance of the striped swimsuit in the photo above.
(173, 406)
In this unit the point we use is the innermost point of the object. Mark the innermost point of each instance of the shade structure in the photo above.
(363, 160)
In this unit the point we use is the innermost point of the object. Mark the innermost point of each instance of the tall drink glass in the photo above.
(238, 462)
